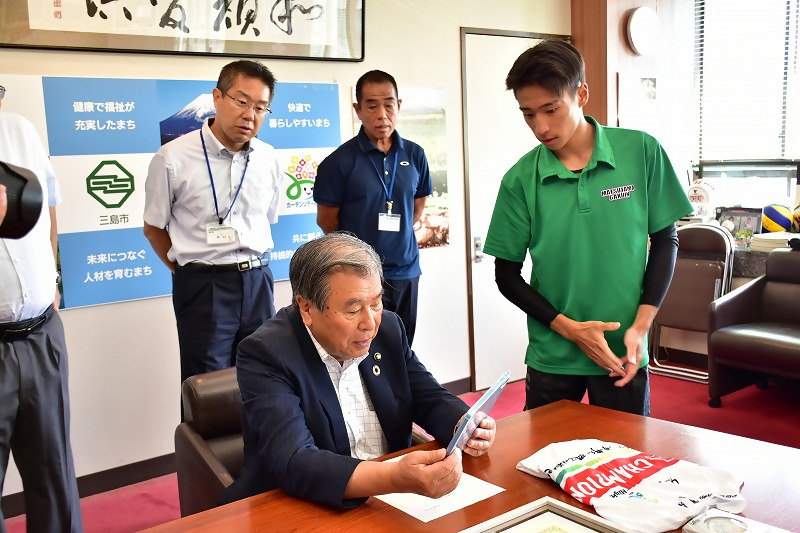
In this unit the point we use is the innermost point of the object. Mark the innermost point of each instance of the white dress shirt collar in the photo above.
(364, 431)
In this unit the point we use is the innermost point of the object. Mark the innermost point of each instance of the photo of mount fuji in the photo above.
(188, 119)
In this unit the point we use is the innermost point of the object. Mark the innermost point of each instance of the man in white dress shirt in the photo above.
(34, 397)
(211, 196)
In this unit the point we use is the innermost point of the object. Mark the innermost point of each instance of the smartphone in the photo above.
(476, 414)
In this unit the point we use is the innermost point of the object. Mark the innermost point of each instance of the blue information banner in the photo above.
(103, 132)
(119, 116)
(110, 266)
(304, 115)
(100, 116)
(289, 233)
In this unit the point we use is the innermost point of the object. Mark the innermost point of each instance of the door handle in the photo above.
(477, 246)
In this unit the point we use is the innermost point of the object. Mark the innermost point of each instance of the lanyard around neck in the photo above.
(388, 190)
(211, 177)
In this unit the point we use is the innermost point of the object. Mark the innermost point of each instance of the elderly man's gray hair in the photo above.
(314, 262)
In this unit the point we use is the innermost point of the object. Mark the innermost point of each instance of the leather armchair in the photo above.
(754, 331)
(209, 450)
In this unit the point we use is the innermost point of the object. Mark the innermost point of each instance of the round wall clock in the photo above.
(643, 30)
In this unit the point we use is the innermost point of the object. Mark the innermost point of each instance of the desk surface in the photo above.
(771, 473)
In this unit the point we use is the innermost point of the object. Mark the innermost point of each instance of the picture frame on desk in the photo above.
(290, 29)
(546, 515)
(746, 221)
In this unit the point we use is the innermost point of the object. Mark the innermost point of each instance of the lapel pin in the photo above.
(376, 370)
(377, 356)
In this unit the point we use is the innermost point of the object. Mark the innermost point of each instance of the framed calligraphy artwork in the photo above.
(310, 29)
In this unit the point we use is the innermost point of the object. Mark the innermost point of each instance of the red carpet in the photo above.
(125, 510)
(771, 415)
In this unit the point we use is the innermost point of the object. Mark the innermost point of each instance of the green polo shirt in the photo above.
(586, 234)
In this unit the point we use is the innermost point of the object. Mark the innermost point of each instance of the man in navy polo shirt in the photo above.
(375, 186)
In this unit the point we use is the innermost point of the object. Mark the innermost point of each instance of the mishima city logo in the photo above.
(110, 184)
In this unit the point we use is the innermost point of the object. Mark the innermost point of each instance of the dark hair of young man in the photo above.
(374, 77)
(552, 64)
(248, 69)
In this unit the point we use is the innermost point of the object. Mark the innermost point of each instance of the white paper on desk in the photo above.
(469, 490)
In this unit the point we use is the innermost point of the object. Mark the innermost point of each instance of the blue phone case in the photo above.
(476, 414)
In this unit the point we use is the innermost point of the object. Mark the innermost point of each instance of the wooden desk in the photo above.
(771, 473)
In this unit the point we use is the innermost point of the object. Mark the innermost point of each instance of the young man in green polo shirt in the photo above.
(583, 204)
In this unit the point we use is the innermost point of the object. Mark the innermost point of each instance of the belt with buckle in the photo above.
(14, 331)
(241, 266)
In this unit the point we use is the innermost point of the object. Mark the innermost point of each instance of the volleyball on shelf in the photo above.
(776, 217)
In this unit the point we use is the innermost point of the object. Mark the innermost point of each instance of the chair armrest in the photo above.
(201, 476)
(738, 306)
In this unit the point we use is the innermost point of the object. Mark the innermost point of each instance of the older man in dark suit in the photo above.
(331, 382)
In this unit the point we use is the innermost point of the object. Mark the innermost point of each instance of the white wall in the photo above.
(124, 380)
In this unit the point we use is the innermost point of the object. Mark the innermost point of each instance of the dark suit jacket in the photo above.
(294, 431)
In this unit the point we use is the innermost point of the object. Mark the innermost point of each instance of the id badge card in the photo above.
(220, 234)
(388, 222)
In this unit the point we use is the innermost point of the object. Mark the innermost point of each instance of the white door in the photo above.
(496, 136)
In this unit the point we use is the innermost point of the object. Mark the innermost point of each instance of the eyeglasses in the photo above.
(2, 92)
(259, 109)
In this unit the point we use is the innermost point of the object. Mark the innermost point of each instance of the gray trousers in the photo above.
(34, 425)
